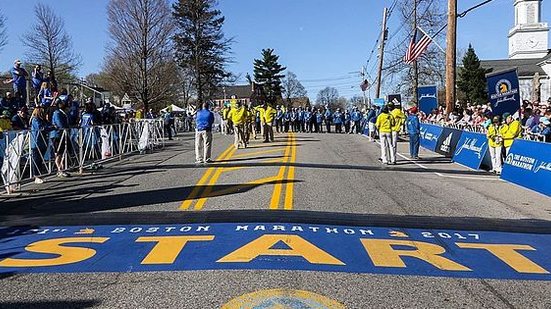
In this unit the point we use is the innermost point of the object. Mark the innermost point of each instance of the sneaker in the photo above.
(38, 180)
(198, 162)
(208, 161)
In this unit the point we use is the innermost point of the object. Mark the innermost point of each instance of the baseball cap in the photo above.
(413, 110)
(545, 121)
(17, 61)
(506, 115)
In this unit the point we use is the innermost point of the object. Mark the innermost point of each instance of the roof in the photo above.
(240, 91)
(526, 67)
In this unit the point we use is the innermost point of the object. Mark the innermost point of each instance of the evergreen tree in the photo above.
(201, 47)
(267, 74)
(472, 78)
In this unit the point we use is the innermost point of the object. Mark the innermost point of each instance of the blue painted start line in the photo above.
(128, 248)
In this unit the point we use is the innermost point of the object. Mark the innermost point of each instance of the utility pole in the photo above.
(364, 77)
(381, 55)
(451, 41)
(415, 66)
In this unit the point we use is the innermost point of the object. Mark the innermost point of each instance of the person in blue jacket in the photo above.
(294, 120)
(356, 118)
(59, 136)
(203, 134)
(414, 130)
(347, 121)
(307, 121)
(38, 144)
(286, 120)
(327, 117)
(318, 124)
(371, 118)
(337, 120)
(279, 119)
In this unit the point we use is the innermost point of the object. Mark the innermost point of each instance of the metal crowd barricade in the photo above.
(28, 154)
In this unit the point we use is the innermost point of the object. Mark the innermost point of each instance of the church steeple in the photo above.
(529, 38)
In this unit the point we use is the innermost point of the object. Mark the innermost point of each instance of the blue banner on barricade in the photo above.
(428, 98)
(528, 164)
(472, 150)
(429, 136)
(503, 90)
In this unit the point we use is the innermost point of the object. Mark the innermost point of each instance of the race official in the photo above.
(399, 119)
(385, 123)
(238, 116)
(495, 142)
(513, 130)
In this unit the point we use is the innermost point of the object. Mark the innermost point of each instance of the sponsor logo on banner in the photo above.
(445, 147)
(448, 141)
(428, 98)
(470, 144)
(425, 134)
(529, 164)
(503, 91)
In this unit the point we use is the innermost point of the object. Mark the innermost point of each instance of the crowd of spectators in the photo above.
(535, 118)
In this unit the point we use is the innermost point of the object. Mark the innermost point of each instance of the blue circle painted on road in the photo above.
(282, 298)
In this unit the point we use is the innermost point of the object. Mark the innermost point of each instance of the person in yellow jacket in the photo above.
(267, 117)
(225, 124)
(5, 121)
(495, 143)
(399, 120)
(514, 129)
(238, 116)
(250, 127)
(385, 123)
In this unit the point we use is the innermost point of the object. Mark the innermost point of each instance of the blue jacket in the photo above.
(38, 128)
(371, 116)
(319, 117)
(337, 118)
(60, 121)
(204, 120)
(347, 117)
(413, 125)
(356, 116)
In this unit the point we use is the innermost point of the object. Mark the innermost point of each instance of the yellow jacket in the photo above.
(267, 115)
(5, 124)
(493, 132)
(238, 115)
(511, 132)
(399, 119)
(225, 113)
(385, 122)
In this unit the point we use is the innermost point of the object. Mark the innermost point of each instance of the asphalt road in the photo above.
(337, 177)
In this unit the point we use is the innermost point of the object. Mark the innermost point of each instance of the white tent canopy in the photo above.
(173, 108)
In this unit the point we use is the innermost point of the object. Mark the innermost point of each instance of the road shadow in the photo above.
(63, 202)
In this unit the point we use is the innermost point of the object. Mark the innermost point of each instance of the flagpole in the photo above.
(415, 65)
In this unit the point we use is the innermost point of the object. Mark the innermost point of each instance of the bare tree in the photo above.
(328, 96)
(3, 33)
(50, 45)
(139, 56)
(399, 76)
(292, 88)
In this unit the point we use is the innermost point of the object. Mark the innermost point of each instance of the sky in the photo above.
(324, 42)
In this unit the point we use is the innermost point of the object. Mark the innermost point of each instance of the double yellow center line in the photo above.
(203, 189)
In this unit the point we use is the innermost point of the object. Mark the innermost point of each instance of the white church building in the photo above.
(528, 51)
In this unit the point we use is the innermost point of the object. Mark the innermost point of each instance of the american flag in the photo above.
(419, 42)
